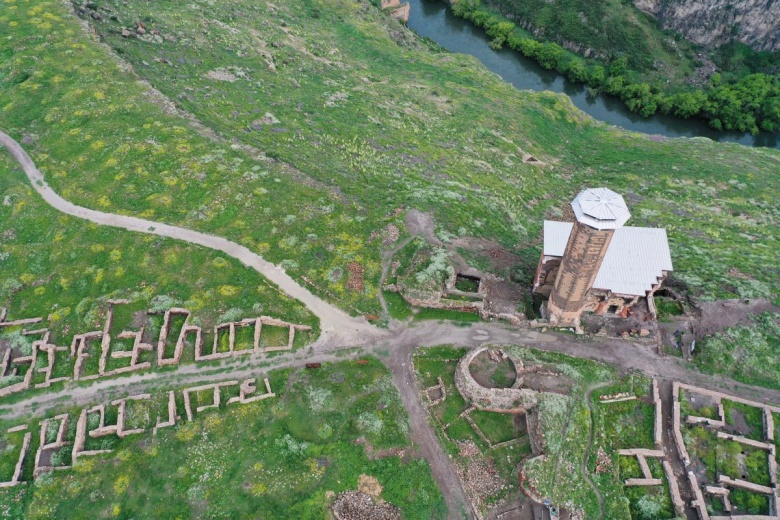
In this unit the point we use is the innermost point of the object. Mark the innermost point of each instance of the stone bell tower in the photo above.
(599, 213)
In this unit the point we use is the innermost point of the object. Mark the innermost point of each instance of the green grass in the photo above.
(751, 503)
(754, 417)
(446, 314)
(497, 427)
(346, 135)
(263, 460)
(64, 270)
(747, 353)
(626, 424)
(397, 306)
(668, 308)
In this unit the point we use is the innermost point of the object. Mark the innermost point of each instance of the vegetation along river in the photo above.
(434, 19)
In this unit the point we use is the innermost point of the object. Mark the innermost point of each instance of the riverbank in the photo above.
(436, 21)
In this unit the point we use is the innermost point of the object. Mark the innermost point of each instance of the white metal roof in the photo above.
(635, 260)
(600, 208)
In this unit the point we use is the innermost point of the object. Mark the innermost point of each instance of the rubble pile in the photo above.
(354, 505)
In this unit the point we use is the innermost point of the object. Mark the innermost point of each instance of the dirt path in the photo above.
(337, 326)
(338, 330)
(584, 465)
(423, 435)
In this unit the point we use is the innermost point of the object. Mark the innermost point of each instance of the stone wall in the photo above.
(247, 393)
(501, 400)
(80, 347)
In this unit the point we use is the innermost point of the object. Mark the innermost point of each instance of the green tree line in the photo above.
(748, 104)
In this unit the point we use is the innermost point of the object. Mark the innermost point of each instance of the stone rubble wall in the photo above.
(501, 400)
(16, 478)
(658, 433)
(744, 484)
(674, 490)
(767, 445)
(58, 443)
(79, 347)
(698, 502)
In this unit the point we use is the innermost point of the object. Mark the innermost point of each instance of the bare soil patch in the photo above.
(719, 315)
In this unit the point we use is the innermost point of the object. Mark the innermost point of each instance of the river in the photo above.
(434, 19)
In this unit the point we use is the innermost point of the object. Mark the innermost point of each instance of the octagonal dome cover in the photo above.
(600, 208)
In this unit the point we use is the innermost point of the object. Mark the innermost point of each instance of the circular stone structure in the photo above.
(501, 400)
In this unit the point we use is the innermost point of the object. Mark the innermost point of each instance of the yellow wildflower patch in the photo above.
(121, 484)
(219, 262)
(228, 290)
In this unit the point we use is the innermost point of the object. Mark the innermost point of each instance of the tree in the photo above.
(550, 55)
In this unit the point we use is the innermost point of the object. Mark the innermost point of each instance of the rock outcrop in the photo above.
(716, 22)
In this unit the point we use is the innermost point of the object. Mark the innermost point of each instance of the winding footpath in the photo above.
(339, 330)
(336, 325)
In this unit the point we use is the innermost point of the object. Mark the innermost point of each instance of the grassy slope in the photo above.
(63, 269)
(263, 460)
(445, 136)
(610, 28)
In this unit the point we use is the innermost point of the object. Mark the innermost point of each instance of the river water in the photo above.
(434, 19)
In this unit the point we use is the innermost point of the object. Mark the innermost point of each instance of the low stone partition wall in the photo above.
(17, 476)
(48, 447)
(501, 400)
(81, 344)
(698, 502)
(658, 427)
(674, 490)
(744, 484)
(643, 482)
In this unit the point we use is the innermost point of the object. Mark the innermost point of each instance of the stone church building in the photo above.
(596, 264)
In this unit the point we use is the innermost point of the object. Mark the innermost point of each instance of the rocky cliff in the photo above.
(716, 22)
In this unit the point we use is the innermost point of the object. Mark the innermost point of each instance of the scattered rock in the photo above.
(354, 505)
(644, 332)
(355, 281)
